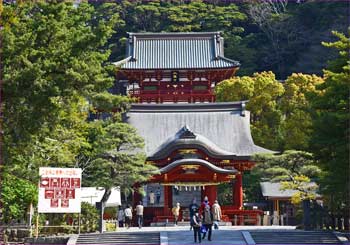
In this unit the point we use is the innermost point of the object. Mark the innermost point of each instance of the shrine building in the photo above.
(197, 144)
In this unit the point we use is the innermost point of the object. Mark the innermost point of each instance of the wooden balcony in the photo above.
(173, 95)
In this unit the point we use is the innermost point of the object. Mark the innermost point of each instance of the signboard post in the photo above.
(59, 190)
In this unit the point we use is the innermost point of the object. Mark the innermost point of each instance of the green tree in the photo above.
(290, 168)
(119, 159)
(330, 139)
(54, 59)
(263, 91)
(296, 109)
(293, 170)
(17, 195)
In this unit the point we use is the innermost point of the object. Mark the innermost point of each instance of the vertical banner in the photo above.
(59, 190)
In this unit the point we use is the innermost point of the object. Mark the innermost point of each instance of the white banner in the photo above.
(59, 190)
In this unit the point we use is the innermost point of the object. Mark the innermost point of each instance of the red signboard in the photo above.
(59, 190)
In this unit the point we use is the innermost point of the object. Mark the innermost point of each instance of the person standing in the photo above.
(204, 204)
(216, 210)
(176, 212)
(196, 224)
(151, 198)
(139, 214)
(120, 217)
(158, 195)
(207, 221)
(193, 207)
(128, 216)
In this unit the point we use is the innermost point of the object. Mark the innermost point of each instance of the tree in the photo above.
(17, 195)
(263, 91)
(296, 109)
(293, 170)
(330, 138)
(119, 159)
(51, 60)
(54, 59)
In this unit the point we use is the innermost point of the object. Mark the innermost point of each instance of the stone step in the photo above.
(184, 223)
(294, 237)
(120, 238)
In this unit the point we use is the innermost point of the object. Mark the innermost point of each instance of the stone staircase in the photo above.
(120, 238)
(294, 237)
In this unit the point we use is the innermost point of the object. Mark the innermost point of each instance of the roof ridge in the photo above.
(189, 107)
(173, 33)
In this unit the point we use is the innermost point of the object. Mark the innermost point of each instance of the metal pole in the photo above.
(79, 223)
(31, 219)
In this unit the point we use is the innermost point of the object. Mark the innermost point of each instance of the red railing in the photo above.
(160, 96)
(243, 217)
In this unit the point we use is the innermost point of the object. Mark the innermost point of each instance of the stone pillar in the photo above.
(258, 220)
(266, 219)
(238, 192)
(275, 220)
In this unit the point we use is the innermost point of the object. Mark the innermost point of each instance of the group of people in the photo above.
(125, 216)
(203, 218)
(153, 195)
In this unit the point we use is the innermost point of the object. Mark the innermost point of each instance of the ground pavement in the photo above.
(235, 235)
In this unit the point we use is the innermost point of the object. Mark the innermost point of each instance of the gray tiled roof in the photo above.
(175, 51)
(271, 190)
(197, 141)
(222, 124)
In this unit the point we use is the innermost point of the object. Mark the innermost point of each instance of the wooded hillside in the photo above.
(282, 36)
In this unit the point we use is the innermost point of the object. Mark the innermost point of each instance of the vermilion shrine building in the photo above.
(196, 144)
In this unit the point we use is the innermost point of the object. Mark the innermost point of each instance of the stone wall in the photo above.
(47, 240)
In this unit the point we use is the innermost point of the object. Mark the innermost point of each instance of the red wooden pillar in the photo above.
(238, 192)
(170, 196)
(211, 193)
(167, 199)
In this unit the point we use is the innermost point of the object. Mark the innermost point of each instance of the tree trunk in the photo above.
(101, 206)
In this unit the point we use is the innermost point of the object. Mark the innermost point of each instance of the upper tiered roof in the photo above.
(192, 50)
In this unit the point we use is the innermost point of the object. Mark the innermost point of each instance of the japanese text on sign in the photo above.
(59, 190)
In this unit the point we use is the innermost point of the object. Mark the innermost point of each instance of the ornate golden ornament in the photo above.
(190, 169)
(188, 151)
(225, 161)
(185, 167)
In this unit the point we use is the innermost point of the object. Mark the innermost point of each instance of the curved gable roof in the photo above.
(175, 51)
(186, 138)
(223, 127)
